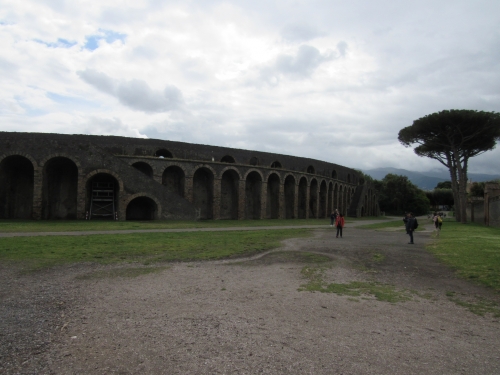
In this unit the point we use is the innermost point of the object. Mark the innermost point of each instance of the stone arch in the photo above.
(144, 167)
(348, 178)
(229, 194)
(253, 192)
(173, 178)
(330, 207)
(227, 159)
(231, 168)
(251, 171)
(334, 174)
(313, 198)
(289, 197)
(254, 161)
(310, 169)
(302, 198)
(273, 196)
(142, 206)
(102, 194)
(59, 188)
(199, 166)
(276, 165)
(203, 191)
(341, 203)
(17, 173)
(322, 200)
(163, 154)
(336, 196)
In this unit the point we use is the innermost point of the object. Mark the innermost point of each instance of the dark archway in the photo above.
(334, 174)
(173, 179)
(302, 198)
(322, 200)
(227, 159)
(349, 178)
(144, 168)
(102, 193)
(254, 161)
(341, 203)
(60, 189)
(141, 208)
(203, 192)
(253, 191)
(162, 153)
(313, 199)
(329, 208)
(276, 165)
(336, 197)
(273, 197)
(16, 188)
(311, 169)
(290, 197)
(229, 195)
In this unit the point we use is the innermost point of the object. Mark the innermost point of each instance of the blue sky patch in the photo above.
(71, 101)
(109, 36)
(61, 43)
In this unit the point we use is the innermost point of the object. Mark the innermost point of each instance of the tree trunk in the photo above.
(454, 185)
(462, 185)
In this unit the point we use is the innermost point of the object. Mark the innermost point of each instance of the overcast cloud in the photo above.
(330, 80)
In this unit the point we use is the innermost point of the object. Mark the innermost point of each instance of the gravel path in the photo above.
(247, 316)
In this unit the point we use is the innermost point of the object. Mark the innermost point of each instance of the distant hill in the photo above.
(426, 180)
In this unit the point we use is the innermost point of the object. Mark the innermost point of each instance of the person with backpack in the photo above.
(438, 222)
(339, 223)
(411, 224)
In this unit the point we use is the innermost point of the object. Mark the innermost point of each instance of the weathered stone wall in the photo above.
(51, 176)
(495, 211)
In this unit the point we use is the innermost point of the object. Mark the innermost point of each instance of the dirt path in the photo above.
(248, 317)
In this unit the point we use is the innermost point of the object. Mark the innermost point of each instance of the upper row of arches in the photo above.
(254, 161)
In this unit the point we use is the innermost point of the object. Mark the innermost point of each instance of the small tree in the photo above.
(452, 138)
(443, 185)
(397, 194)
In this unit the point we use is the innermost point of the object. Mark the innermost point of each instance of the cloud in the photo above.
(60, 43)
(135, 94)
(300, 33)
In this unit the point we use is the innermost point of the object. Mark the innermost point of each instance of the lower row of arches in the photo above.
(236, 198)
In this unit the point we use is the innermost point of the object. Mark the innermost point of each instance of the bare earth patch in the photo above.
(248, 316)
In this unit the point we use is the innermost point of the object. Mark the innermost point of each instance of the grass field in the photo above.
(9, 226)
(41, 252)
(472, 250)
(396, 224)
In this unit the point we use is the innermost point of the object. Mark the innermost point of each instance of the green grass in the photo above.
(472, 250)
(9, 226)
(381, 292)
(41, 252)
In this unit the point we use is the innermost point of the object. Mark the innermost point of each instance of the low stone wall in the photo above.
(495, 212)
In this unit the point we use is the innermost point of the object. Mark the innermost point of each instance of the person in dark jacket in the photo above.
(411, 225)
(339, 223)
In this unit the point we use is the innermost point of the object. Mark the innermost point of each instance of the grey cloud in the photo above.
(135, 94)
(300, 33)
(300, 65)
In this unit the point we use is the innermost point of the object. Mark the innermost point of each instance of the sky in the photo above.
(330, 80)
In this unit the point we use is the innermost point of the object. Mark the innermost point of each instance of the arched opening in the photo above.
(16, 188)
(329, 208)
(336, 197)
(362, 211)
(290, 197)
(310, 169)
(346, 206)
(341, 203)
(102, 192)
(144, 168)
(203, 192)
(163, 153)
(273, 197)
(229, 195)
(361, 181)
(313, 199)
(254, 161)
(322, 200)
(276, 165)
(60, 189)
(348, 178)
(141, 208)
(227, 159)
(334, 174)
(173, 179)
(253, 190)
(302, 198)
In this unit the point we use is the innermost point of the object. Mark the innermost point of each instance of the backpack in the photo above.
(439, 219)
(415, 226)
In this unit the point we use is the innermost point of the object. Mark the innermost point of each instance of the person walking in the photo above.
(339, 223)
(333, 216)
(438, 222)
(411, 224)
